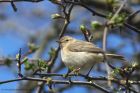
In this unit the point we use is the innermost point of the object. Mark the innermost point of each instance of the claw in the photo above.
(76, 71)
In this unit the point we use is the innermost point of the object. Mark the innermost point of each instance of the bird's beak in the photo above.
(58, 41)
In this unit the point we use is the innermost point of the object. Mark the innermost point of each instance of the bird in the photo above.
(82, 55)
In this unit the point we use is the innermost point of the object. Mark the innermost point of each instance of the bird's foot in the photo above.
(76, 71)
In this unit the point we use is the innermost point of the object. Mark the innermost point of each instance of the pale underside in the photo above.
(82, 60)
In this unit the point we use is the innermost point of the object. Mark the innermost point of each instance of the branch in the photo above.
(20, 1)
(19, 63)
(105, 37)
(66, 23)
(14, 6)
(54, 57)
(122, 82)
(132, 27)
(7, 61)
(60, 82)
(117, 81)
(86, 7)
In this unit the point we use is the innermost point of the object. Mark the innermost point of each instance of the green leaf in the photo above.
(71, 68)
(25, 59)
(49, 80)
(28, 65)
(17, 57)
(42, 64)
(32, 47)
(95, 25)
(52, 52)
(115, 72)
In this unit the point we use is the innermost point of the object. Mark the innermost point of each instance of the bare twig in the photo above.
(88, 8)
(132, 15)
(20, 1)
(14, 6)
(132, 27)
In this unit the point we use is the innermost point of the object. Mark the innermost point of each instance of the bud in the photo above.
(55, 1)
(49, 80)
(25, 59)
(17, 56)
(56, 16)
(95, 25)
(32, 47)
(82, 28)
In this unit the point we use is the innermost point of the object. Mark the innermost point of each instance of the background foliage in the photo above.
(28, 50)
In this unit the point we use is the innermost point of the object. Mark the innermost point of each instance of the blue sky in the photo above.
(11, 41)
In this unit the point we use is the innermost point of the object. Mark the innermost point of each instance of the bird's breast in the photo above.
(79, 59)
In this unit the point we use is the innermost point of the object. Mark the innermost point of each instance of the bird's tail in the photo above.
(112, 56)
(115, 56)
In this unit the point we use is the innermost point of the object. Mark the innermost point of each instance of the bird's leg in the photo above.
(68, 72)
(66, 75)
(89, 70)
(76, 71)
(87, 75)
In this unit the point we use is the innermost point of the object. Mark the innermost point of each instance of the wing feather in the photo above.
(83, 46)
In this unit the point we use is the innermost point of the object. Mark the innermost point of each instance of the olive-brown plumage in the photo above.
(82, 54)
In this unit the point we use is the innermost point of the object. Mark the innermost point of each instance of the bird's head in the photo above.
(65, 40)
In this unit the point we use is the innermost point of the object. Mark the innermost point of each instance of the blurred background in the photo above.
(32, 23)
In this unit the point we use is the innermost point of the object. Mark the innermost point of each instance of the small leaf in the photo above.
(95, 25)
(49, 80)
(28, 65)
(71, 68)
(25, 59)
(42, 64)
(115, 72)
(17, 57)
(32, 47)
(52, 52)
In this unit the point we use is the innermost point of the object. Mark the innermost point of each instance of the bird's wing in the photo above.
(83, 46)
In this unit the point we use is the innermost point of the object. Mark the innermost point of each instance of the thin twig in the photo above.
(85, 76)
(86, 7)
(132, 15)
(13, 6)
(20, 1)
(132, 27)
(120, 82)
(19, 62)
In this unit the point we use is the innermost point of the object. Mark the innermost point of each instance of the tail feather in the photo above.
(115, 56)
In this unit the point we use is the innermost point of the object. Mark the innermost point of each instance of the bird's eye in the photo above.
(67, 40)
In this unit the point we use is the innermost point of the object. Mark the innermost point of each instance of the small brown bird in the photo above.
(82, 55)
